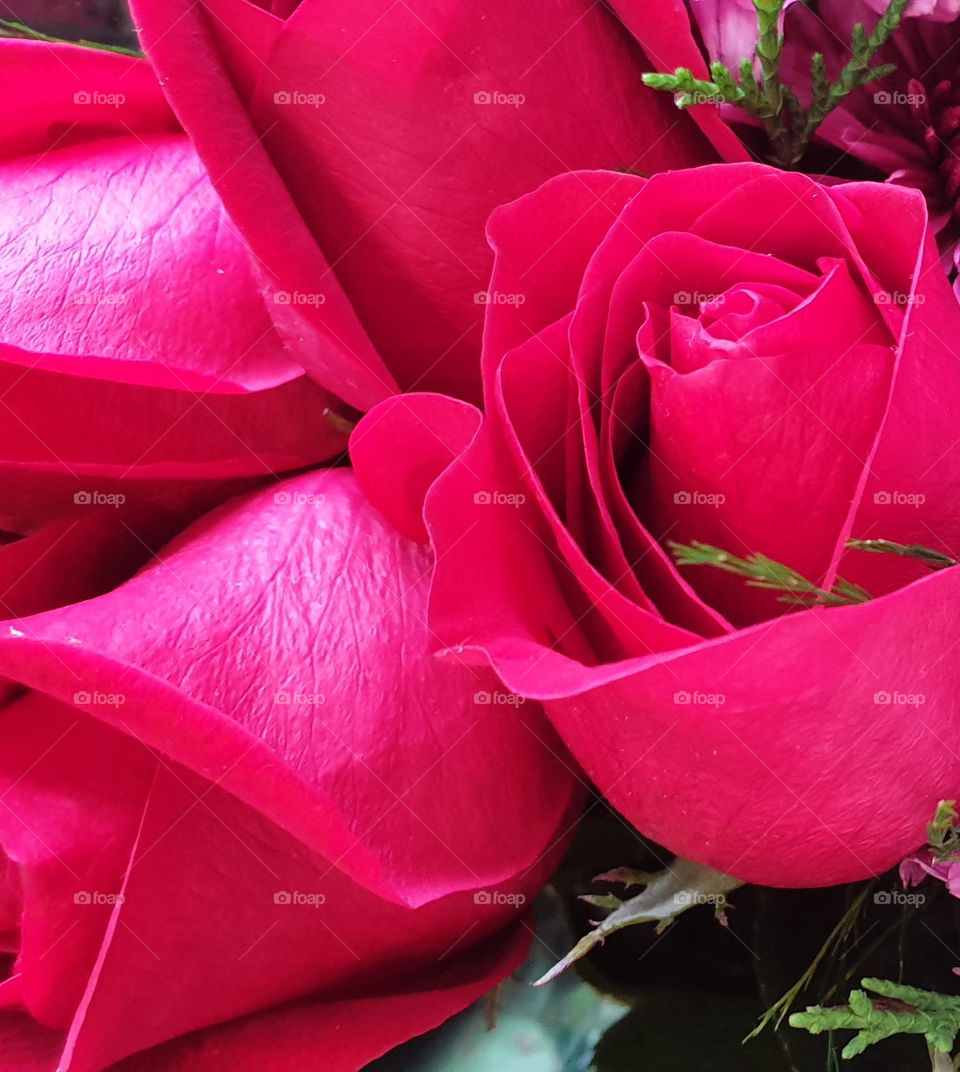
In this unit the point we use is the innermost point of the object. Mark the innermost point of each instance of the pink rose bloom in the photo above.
(246, 819)
(907, 126)
(741, 356)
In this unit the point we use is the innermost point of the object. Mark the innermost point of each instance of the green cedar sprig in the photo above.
(789, 125)
(897, 1010)
(763, 572)
(934, 559)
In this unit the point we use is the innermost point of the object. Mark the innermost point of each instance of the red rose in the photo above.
(136, 354)
(235, 791)
(370, 143)
(742, 357)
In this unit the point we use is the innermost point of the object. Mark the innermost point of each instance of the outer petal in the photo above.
(294, 737)
(127, 291)
(541, 263)
(206, 54)
(81, 556)
(395, 200)
(264, 568)
(761, 753)
(349, 1032)
(66, 94)
(119, 250)
(402, 446)
(912, 489)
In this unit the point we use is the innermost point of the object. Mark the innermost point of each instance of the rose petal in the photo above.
(396, 201)
(184, 44)
(68, 94)
(401, 446)
(350, 1032)
(759, 753)
(253, 564)
(663, 29)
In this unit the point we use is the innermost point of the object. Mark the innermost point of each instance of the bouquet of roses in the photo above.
(453, 452)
